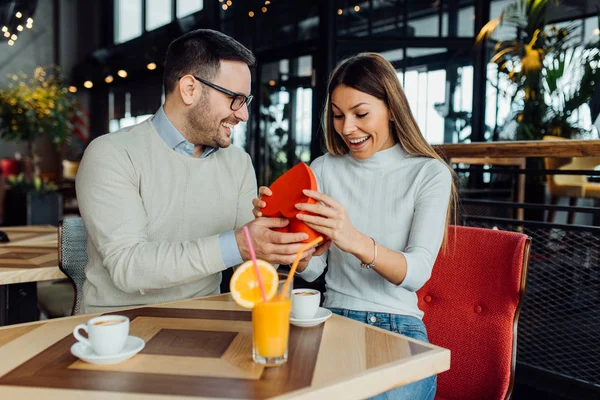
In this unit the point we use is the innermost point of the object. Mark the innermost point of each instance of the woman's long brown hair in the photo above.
(372, 74)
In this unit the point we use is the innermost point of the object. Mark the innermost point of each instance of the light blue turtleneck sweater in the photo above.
(400, 201)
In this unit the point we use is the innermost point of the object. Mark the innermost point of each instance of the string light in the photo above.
(357, 8)
(251, 14)
(122, 73)
(264, 9)
(151, 66)
(224, 6)
(72, 89)
(596, 32)
(12, 36)
(88, 84)
(109, 79)
(340, 11)
(267, 2)
(272, 83)
(229, 3)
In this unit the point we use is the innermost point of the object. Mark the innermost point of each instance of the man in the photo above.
(164, 201)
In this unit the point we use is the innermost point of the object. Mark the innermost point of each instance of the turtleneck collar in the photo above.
(381, 158)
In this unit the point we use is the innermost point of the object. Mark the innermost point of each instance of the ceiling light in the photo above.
(88, 84)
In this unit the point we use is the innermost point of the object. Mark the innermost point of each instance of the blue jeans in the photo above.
(407, 326)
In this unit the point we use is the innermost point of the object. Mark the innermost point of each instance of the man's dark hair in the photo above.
(200, 53)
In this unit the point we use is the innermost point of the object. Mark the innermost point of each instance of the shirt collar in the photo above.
(170, 135)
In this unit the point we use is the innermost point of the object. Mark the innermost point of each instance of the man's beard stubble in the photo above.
(203, 127)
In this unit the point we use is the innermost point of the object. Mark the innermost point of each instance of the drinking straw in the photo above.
(288, 281)
(253, 256)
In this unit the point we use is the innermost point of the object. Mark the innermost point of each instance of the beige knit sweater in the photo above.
(154, 216)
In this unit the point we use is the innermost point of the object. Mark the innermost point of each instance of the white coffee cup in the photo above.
(106, 334)
(305, 303)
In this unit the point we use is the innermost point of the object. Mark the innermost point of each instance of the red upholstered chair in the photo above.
(471, 305)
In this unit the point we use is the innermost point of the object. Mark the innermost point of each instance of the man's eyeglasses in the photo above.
(237, 99)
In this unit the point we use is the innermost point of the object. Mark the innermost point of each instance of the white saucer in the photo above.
(133, 345)
(323, 315)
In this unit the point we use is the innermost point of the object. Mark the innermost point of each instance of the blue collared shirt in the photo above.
(175, 140)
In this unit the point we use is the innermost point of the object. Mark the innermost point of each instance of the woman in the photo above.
(384, 202)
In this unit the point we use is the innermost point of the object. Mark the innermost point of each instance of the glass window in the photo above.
(128, 20)
(303, 123)
(423, 91)
(238, 137)
(187, 7)
(158, 13)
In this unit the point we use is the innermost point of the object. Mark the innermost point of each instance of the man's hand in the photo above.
(274, 247)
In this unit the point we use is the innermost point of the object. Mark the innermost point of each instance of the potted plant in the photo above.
(31, 202)
(551, 74)
(33, 110)
(37, 107)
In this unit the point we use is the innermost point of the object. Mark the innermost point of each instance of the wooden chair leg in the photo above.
(552, 213)
(571, 216)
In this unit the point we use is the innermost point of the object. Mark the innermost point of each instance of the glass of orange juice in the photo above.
(271, 327)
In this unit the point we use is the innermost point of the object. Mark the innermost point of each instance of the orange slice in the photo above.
(244, 285)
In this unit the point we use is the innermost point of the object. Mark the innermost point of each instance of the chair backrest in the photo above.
(471, 305)
(72, 254)
(556, 181)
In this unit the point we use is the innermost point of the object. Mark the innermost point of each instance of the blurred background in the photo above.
(111, 53)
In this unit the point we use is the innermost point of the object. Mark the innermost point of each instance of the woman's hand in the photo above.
(331, 220)
(258, 203)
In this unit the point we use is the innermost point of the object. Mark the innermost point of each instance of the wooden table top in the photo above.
(30, 256)
(202, 348)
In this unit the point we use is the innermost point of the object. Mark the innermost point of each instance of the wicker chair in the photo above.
(72, 255)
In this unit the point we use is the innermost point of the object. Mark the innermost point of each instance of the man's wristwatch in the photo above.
(372, 263)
